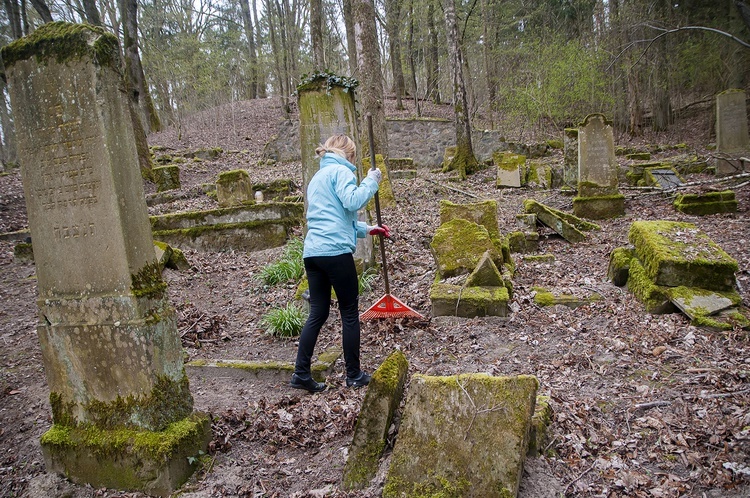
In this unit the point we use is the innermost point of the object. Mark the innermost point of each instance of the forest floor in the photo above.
(644, 405)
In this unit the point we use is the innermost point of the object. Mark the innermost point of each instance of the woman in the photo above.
(333, 199)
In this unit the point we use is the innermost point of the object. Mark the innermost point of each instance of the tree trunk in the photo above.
(261, 74)
(41, 7)
(490, 67)
(412, 65)
(431, 62)
(8, 143)
(92, 13)
(13, 11)
(393, 28)
(247, 22)
(463, 161)
(276, 50)
(370, 74)
(351, 43)
(316, 34)
(134, 82)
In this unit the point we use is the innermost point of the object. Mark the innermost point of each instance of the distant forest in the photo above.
(533, 64)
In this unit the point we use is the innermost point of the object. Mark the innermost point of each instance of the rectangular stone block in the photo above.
(468, 302)
(731, 122)
(464, 435)
(597, 166)
(679, 254)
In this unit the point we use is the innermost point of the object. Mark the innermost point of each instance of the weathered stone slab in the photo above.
(248, 236)
(267, 370)
(566, 225)
(482, 213)
(509, 169)
(155, 462)
(675, 254)
(465, 435)
(404, 174)
(698, 302)
(233, 188)
(383, 397)
(707, 203)
(400, 163)
(597, 166)
(731, 122)
(545, 297)
(662, 177)
(619, 265)
(485, 274)
(268, 211)
(570, 157)
(458, 246)
(654, 297)
(599, 207)
(166, 178)
(468, 302)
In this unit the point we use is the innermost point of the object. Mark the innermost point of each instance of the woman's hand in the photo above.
(375, 174)
(379, 230)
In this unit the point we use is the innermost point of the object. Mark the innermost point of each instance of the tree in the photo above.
(351, 43)
(247, 22)
(370, 74)
(316, 34)
(393, 28)
(432, 60)
(463, 161)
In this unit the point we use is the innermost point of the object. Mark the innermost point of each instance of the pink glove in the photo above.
(379, 230)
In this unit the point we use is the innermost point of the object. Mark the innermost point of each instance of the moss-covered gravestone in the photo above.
(732, 139)
(383, 397)
(166, 177)
(121, 406)
(510, 168)
(598, 196)
(706, 203)
(233, 188)
(465, 435)
(326, 108)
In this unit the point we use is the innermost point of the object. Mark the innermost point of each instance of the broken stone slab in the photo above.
(458, 246)
(464, 435)
(273, 211)
(539, 258)
(544, 297)
(468, 302)
(707, 203)
(700, 302)
(485, 274)
(727, 319)
(265, 370)
(404, 174)
(677, 253)
(400, 163)
(383, 397)
(566, 225)
(523, 242)
(249, 236)
(540, 423)
(654, 297)
(619, 265)
(170, 257)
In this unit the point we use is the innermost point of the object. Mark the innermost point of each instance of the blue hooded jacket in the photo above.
(333, 199)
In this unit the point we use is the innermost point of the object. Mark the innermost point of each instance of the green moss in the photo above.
(458, 246)
(539, 258)
(169, 400)
(545, 298)
(619, 265)
(148, 282)
(653, 297)
(233, 176)
(155, 445)
(555, 144)
(197, 231)
(63, 42)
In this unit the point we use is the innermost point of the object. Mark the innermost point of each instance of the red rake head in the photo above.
(389, 307)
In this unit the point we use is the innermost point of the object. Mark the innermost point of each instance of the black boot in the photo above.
(360, 380)
(309, 385)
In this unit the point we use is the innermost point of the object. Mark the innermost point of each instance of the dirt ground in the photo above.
(644, 405)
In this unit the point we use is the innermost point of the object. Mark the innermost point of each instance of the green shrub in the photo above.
(288, 267)
(284, 322)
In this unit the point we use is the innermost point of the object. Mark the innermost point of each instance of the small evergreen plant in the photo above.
(284, 322)
(288, 267)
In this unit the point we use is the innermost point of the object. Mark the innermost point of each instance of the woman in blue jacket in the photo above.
(333, 199)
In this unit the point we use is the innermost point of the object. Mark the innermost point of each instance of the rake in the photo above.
(387, 306)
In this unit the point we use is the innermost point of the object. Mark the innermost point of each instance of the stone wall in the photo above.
(422, 139)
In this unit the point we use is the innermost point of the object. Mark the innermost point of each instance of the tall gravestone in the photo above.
(121, 405)
(598, 195)
(326, 108)
(570, 157)
(732, 139)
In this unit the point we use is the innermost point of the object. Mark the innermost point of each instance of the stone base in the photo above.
(166, 178)
(404, 174)
(155, 463)
(599, 208)
(468, 302)
(705, 204)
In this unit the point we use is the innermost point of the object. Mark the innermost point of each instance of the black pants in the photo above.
(322, 273)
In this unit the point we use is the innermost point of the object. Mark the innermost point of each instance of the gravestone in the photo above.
(570, 157)
(108, 335)
(326, 108)
(509, 168)
(732, 139)
(598, 196)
